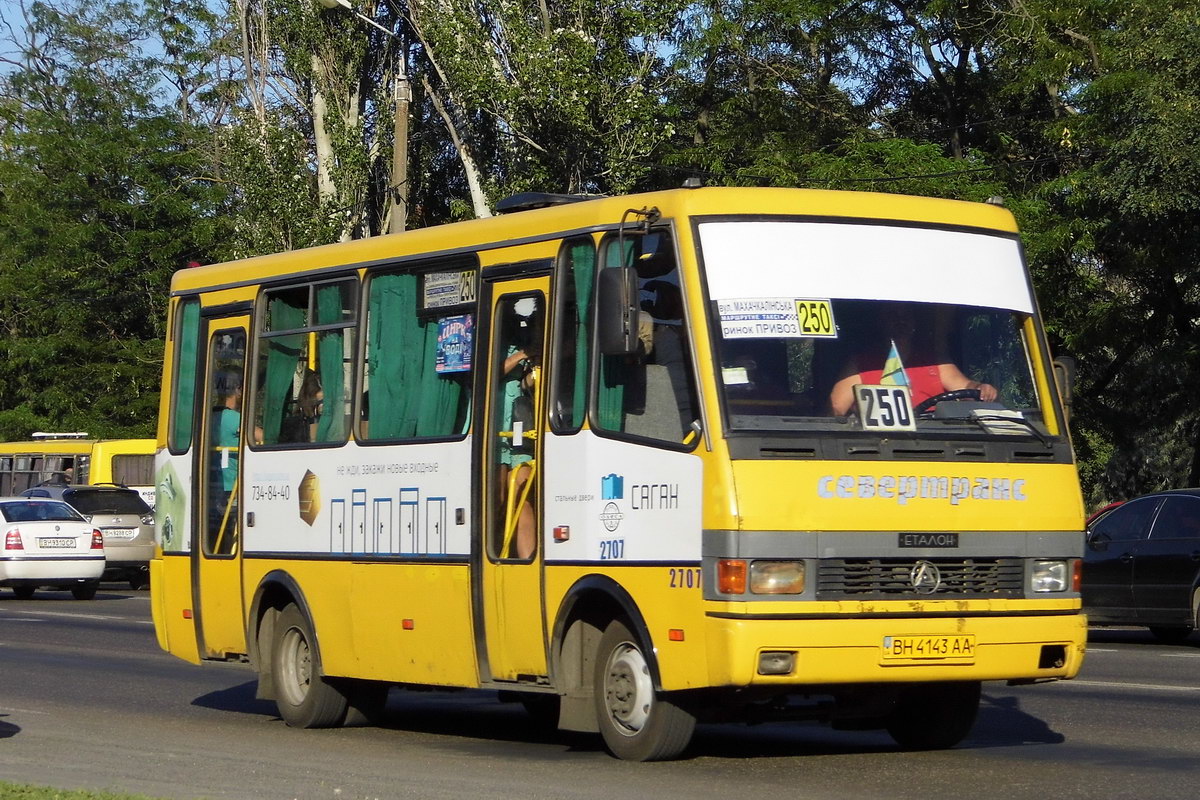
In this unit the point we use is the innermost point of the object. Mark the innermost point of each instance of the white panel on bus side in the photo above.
(173, 494)
(620, 501)
(352, 499)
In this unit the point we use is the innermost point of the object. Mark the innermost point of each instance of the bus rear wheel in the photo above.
(934, 716)
(637, 723)
(304, 697)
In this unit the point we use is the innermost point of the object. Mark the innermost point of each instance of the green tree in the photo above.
(101, 199)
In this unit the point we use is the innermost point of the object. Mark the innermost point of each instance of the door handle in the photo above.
(1127, 558)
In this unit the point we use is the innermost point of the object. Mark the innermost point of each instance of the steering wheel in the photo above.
(954, 394)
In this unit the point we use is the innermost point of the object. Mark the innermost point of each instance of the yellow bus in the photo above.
(707, 453)
(74, 458)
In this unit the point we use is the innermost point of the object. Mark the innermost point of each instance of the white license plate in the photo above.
(120, 533)
(956, 649)
(58, 541)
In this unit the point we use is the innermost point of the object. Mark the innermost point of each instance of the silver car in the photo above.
(122, 516)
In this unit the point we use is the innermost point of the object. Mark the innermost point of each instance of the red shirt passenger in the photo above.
(931, 375)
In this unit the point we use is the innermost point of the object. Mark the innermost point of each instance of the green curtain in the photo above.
(331, 427)
(438, 395)
(395, 342)
(283, 353)
(583, 267)
(185, 371)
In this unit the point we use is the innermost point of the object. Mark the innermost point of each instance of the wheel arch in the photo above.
(586, 609)
(275, 591)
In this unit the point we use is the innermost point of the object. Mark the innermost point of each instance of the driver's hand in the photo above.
(987, 392)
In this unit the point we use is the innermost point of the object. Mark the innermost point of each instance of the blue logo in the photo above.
(612, 487)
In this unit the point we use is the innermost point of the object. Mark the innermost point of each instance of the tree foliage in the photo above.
(99, 203)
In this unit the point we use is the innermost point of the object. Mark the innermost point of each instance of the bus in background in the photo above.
(74, 459)
(701, 454)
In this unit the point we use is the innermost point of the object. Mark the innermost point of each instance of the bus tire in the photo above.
(637, 723)
(934, 716)
(305, 699)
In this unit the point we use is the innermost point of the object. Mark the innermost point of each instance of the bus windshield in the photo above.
(809, 313)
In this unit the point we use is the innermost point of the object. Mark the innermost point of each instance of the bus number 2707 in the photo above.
(682, 578)
(612, 549)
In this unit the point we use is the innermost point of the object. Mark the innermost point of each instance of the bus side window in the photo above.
(183, 402)
(576, 279)
(405, 396)
(652, 394)
(304, 367)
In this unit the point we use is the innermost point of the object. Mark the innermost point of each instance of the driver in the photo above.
(903, 357)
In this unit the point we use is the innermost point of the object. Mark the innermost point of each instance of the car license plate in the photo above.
(58, 541)
(120, 533)
(952, 649)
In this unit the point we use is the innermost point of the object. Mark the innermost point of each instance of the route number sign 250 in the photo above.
(884, 408)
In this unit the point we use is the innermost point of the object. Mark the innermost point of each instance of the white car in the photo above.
(48, 543)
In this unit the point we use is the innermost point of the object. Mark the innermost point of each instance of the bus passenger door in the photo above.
(513, 619)
(216, 543)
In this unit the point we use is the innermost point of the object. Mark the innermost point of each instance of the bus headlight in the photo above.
(1051, 576)
(777, 577)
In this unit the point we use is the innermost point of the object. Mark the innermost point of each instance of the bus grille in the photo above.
(861, 578)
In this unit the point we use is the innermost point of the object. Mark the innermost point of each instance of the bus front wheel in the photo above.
(304, 698)
(934, 716)
(637, 723)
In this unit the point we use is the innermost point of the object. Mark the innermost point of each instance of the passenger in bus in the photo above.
(520, 384)
(311, 403)
(909, 350)
(225, 437)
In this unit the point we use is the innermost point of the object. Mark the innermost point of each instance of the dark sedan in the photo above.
(1142, 564)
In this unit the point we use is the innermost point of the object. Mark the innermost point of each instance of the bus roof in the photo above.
(593, 214)
(79, 446)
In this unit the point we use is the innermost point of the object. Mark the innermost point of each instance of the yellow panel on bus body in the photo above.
(900, 495)
(384, 621)
(668, 599)
(171, 606)
(853, 650)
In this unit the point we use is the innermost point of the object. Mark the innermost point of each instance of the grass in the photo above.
(16, 791)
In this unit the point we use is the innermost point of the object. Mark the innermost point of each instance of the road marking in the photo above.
(70, 615)
(1181, 655)
(10, 709)
(1102, 650)
(1114, 685)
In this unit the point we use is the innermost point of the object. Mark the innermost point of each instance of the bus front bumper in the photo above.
(800, 652)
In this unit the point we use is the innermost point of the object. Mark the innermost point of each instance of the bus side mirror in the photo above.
(617, 311)
(1064, 378)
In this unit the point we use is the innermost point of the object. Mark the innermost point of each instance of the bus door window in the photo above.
(514, 403)
(652, 393)
(227, 370)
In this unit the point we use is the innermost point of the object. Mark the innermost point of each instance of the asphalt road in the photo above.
(88, 701)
